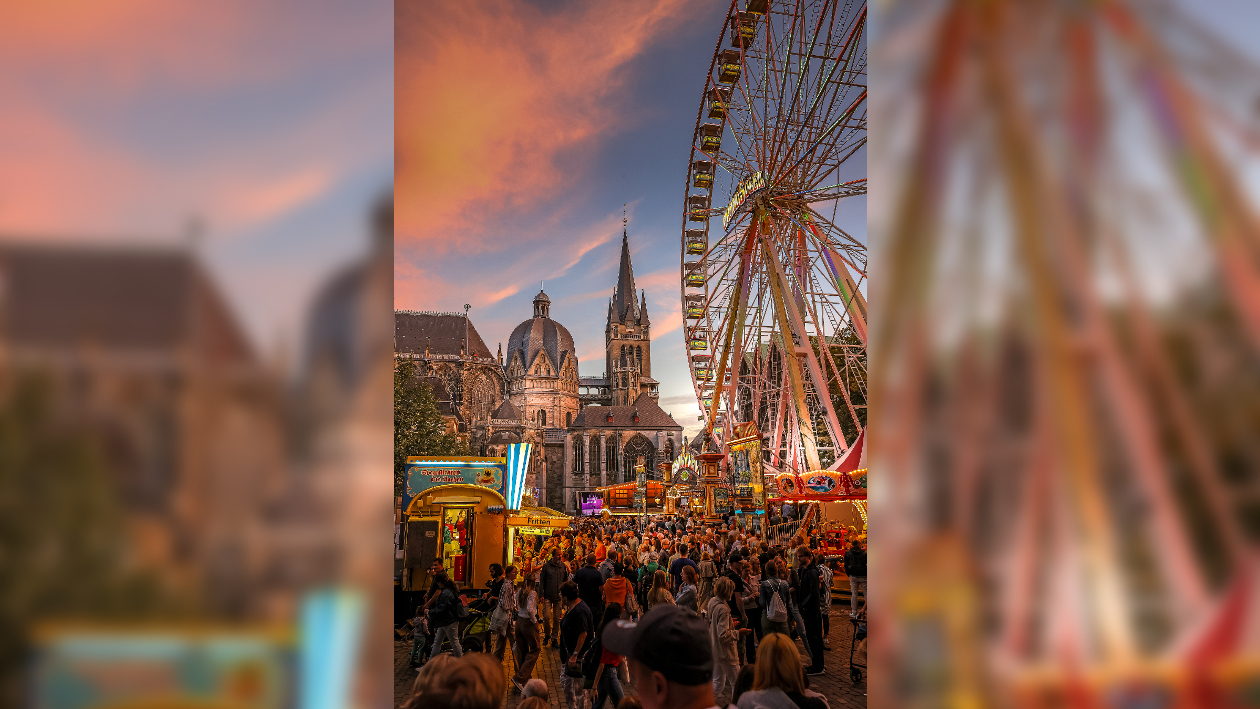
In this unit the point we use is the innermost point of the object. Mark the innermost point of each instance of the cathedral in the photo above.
(587, 431)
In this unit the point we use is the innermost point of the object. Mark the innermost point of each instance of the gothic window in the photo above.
(638, 357)
(594, 454)
(610, 455)
(578, 455)
(482, 402)
(637, 446)
(568, 419)
(542, 417)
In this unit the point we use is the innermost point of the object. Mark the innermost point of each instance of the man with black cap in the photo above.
(670, 660)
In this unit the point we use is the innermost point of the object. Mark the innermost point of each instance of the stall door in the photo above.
(457, 543)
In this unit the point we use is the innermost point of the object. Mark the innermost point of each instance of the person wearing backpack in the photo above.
(774, 599)
(444, 616)
(601, 666)
(855, 569)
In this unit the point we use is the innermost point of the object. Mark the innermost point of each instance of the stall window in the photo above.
(457, 543)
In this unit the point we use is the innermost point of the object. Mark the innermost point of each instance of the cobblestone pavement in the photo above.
(836, 685)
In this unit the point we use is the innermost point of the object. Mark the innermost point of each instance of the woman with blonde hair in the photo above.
(660, 590)
(779, 679)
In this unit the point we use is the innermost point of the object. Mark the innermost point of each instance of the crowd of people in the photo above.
(659, 604)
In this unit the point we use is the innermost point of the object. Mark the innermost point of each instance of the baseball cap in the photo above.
(670, 639)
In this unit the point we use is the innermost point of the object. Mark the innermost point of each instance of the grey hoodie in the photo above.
(552, 575)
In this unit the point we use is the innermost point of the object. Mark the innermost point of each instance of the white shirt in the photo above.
(531, 606)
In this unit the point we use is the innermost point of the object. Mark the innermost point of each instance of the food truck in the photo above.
(455, 511)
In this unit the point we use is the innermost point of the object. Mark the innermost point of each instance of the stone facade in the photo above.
(448, 348)
(604, 442)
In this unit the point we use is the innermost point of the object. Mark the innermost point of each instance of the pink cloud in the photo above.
(490, 94)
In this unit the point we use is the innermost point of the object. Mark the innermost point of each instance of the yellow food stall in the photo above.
(454, 511)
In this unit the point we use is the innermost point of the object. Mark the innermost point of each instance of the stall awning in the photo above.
(538, 518)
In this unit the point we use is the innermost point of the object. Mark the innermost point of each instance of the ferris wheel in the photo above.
(772, 284)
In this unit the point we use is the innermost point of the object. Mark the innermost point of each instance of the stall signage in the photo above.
(428, 472)
(537, 531)
(549, 523)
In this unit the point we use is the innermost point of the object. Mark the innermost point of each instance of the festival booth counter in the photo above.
(529, 531)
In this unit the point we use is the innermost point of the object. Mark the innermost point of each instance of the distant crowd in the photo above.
(686, 611)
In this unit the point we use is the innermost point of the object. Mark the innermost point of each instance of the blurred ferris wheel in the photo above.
(772, 285)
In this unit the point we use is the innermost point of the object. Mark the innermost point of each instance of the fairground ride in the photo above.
(772, 285)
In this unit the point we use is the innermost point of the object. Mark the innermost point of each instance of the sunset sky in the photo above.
(269, 123)
(522, 128)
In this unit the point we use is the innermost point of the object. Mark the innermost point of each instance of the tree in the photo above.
(64, 549)
(418, 426)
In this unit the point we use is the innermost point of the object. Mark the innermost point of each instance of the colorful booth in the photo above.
(454, 507)
(528, 531)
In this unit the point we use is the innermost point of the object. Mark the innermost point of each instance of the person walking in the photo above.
(752, 603)
(576, 632)
(678, 564)
(723, 636)
(810, 603)
(590, 582)
(617, 587)
(775, 595)
(605, 682)
(501, 626)
(443, 616)
(855, 569)
(527, 646)
(826, 575)
(553, 574)
(708, 572)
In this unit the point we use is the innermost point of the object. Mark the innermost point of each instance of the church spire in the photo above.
(643, 316)
(624, 303)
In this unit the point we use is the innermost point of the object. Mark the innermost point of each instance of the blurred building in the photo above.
(140, 347)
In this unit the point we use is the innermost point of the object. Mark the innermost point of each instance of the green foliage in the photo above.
(418, 426)
(63, 541)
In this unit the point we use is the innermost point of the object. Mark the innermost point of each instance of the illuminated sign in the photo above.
(749, 188)
(428, 472)
(746, 462)
(536, 531)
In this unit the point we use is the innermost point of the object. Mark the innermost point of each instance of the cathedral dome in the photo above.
(541, 333)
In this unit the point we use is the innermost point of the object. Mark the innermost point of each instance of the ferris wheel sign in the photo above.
(749, 188)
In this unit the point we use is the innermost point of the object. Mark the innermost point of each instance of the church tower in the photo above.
(628, 336)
